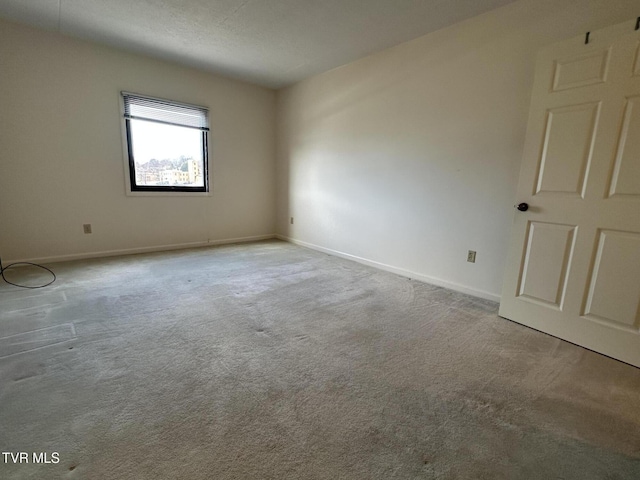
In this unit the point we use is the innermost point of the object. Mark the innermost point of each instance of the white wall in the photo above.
(61, 155)
(410, 157)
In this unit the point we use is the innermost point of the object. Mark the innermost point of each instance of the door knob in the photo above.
(523, 207)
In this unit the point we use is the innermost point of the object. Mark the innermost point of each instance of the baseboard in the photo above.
(133, 251)
(399, 271)
(181, 246)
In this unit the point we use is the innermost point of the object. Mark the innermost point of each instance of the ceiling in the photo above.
(273, 43)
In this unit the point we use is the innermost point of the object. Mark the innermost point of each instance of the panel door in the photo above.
(573, 268)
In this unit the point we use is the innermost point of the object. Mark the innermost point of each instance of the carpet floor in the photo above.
(272, 361)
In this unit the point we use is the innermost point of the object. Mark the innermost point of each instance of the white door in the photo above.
(573, 268)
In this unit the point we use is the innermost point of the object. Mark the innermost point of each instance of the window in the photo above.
(167, 145)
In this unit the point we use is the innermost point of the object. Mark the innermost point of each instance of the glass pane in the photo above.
(167, 155)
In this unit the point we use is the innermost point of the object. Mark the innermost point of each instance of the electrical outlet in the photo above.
(87, 228)
(471, 256)
(291, 220)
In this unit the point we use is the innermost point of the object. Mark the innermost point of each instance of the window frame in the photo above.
(132, 187)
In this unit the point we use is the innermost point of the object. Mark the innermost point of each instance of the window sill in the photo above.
(129, 193)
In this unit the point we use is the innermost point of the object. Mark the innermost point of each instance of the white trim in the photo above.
(399, 271)
(132, 251)
(181, 246)
(167, 194)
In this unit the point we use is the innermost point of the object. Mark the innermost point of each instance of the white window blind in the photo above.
(137, 107)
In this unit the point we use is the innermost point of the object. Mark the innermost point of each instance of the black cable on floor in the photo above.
(4, 269)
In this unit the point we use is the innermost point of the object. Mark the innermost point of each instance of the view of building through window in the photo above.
(167, 155)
